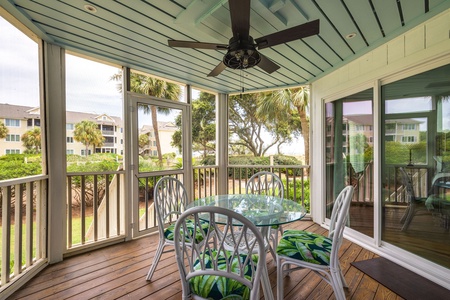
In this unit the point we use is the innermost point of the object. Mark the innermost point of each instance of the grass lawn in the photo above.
(76, 239)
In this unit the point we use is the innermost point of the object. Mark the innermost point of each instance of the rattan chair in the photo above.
(415, 204)
(302, 249)
(212, 270)
(267, 183)
(170, 200)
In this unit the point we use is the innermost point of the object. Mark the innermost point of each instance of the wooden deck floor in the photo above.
(118, 272)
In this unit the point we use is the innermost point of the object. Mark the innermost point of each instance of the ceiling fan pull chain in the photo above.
(242, 81)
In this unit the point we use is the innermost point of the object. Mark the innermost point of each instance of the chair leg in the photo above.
(402, 220)
(279, 279)
(337, 284)
(274, 238)
(267, 290)
(344, 283)
(156, 259)
(409, 217)
(280, 229)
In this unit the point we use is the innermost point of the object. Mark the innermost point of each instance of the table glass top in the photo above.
(262, 210)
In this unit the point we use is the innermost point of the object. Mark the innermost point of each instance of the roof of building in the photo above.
(10, 111)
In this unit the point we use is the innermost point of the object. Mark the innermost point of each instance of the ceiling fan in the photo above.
(242, 50)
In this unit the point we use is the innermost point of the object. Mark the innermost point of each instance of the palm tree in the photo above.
(32, 140)
(87, 132)
(3, 130)
(151, 86)
(282, 102)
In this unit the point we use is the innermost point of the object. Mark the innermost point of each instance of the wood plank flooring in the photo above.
(119, 271)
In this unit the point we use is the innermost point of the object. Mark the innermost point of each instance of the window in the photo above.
(359, 127)
(30, 122)
(83, 152)
(12, 123)
(409, 126)
(13, 138)
(69, 151)
(69, 126)
(37, 122)
(409, 139)
(390, 126)
(12, 151)
(69, 140)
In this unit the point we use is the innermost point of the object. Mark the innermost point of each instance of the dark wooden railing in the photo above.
(95, 205)
(295, 180)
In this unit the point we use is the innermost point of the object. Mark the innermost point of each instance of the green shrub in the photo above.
(289, 191)
(20, 165)
(100, 166)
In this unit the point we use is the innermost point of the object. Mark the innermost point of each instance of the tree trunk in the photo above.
(156, 132)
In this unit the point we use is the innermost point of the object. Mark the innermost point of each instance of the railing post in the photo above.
(222, 142)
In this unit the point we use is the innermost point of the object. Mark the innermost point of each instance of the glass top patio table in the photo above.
(262, 210)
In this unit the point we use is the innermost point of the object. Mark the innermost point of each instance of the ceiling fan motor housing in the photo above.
(241, 54)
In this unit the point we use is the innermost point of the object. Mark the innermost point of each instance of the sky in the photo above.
(18, 81)
(86, 90)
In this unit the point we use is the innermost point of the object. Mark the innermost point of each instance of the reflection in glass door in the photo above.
(416, 202)
(349, 157)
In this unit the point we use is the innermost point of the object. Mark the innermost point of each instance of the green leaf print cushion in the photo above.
(169, 231)
(217, 287)
(306, 246)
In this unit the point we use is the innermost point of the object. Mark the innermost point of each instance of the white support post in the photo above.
(222, 142)
(55, 128)
(128, 192)
(188, 178)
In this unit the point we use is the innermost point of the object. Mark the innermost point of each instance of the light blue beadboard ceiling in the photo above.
(135, 33)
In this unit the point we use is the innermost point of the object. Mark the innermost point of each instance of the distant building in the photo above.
(19, 119)
(165, 130)
(405, 131)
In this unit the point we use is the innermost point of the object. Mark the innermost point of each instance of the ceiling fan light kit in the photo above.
(242, 49)
(241, 54)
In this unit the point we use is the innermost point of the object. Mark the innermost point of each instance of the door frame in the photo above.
(132, 100)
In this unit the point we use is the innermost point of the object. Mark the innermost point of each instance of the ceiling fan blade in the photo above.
(198, 45)
(267, 65)
(240, 17)
(217, 70)
(287, 35)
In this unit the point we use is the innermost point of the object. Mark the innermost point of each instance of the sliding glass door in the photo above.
(349, 156)
(416, 164)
